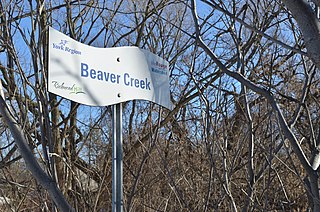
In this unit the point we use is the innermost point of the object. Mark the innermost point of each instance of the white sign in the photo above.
(105, 76)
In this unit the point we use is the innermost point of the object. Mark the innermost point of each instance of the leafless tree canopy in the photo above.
(244, 133)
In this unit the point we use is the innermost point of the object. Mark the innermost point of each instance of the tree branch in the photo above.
(42, 178)
(239, 77)
(309, 26)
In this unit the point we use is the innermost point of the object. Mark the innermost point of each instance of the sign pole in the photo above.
(117, 164)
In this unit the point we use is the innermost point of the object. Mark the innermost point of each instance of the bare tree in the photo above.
(268, 85)
(243, 133)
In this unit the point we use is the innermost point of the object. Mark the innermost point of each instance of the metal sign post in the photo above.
(117, 165)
